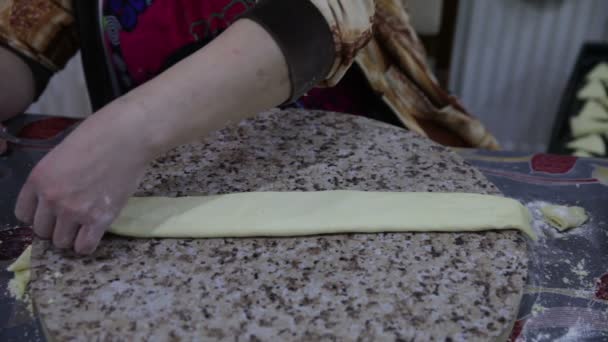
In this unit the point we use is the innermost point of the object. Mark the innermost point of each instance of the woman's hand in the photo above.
(77, 190)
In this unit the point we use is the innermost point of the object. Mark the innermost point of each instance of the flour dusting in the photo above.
(580, 270)
(537, 309)
(544, 230)
(564, 271)
(575, 333)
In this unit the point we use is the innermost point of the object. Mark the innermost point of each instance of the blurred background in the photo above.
(509, 61)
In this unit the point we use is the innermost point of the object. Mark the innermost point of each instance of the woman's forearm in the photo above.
(16, 85)
(240, 73)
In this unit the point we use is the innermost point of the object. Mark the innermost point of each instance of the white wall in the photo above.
(513, 58)
(66, 94)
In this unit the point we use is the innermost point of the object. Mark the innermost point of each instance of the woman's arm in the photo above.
(41, 38)
(77, 190)
(17, 89)
(237, 75)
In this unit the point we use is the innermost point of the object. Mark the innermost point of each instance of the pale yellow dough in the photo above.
(582, 154)
(600, 72)
(591, 143)
(593, 110)
(21, 268)
(563, 217)
(593, 90)
(311, 213)
(601, 174)
(582, 126)
(18, 285)
(22, 262)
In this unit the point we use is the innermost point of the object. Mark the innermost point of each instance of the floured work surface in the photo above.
(408, 285)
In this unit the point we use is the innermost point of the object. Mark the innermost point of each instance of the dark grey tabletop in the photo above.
(567, 291)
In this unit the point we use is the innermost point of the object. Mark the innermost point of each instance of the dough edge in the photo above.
(564, 217)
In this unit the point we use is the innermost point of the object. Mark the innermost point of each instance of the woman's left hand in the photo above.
(72, 196)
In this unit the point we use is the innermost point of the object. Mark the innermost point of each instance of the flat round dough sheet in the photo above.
(426, 286)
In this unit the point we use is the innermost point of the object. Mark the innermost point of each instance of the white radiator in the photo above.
(513, 58)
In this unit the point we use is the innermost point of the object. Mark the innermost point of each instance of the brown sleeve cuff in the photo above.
(41, 74)
(303, 36)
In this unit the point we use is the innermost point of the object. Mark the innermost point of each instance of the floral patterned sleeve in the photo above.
(350, 22)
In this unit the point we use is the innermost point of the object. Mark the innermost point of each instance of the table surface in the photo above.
(341, 286)
(567, 291)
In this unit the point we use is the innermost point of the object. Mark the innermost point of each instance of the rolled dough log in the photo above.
(311, 213)
(563, 217)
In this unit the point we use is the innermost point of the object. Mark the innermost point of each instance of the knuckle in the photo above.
(36, 178)
(50, 196)
(62, 242)
(100, 217)
(84, 214)
(73, 211)
(45, 190)
(43, 233)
